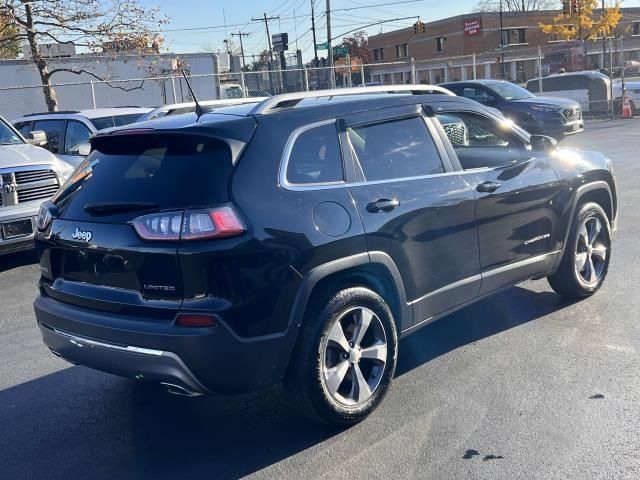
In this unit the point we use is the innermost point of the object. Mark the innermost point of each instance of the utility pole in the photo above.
(332, 78)
(240, 35)
(604, 47)
(501, 43)
(266, 19)
(313, 31)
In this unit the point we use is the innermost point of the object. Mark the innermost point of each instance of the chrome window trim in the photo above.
(284, 163)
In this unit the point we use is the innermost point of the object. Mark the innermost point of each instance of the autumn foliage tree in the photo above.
(356, 45)
(87, 24)
(587, 23)
(9, 43)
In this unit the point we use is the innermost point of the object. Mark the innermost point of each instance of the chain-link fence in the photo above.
(594, 78)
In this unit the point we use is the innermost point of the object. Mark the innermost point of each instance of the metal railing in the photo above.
(527, 67)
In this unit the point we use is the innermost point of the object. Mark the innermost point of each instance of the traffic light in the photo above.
(418, 27)
(422, 27)
(575, 6)
(415, 28)
(566, 7)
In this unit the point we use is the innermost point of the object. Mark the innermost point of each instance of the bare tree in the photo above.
(516, 5)
(92, 25)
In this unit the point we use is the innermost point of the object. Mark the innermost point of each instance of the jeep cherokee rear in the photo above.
(298, 239)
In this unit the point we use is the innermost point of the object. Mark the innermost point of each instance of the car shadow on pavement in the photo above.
(78, 423)
(10, 261)
(495, 314)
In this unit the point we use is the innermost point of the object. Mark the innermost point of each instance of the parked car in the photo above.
(29, 175)
(590, 89)
(631, 69)
(298, 239)
(556, 117)
(190, 107)
(631, 91)
(67, 131)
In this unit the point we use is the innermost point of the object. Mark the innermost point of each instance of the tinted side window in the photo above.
(54, 130)
(24, 128)
(77, 134)
(397, 149)
(479, 141)
(315, 157)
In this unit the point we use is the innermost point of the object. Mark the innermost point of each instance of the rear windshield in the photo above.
(115, 120)
(169, 171)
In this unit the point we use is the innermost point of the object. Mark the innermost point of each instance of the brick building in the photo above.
(451, 48)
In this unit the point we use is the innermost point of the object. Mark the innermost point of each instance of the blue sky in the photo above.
(206, 13)
(190, 14)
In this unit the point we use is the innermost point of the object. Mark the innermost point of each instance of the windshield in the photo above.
(8, 136)
(115, 120)
(510, 91)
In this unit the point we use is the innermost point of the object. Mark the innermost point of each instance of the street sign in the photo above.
(340, 51)
(322, 46)
(280, 42)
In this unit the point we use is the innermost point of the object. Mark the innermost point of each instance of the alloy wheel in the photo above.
(591, 251)
(354, 356)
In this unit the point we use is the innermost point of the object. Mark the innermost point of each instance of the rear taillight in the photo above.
(216, 222)
(48, 211)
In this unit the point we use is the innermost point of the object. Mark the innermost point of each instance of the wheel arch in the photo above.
(373, 270)
(598, 192)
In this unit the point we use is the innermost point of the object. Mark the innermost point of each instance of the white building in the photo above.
(128, 82)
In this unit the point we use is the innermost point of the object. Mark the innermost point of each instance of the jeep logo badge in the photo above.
(82, 235)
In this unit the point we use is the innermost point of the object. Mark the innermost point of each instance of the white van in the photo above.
(591, 89)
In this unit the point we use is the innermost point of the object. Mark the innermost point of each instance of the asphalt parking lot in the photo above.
(521, 385)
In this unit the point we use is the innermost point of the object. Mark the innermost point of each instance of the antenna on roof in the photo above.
(199, 110)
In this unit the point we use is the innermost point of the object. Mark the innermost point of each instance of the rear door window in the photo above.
(315, 157)
(168, 171)
(55, 133)
(395, 149)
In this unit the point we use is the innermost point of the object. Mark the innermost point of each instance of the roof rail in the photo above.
(51, 113)
(291, 99)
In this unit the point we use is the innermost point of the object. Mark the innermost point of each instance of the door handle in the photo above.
(488, 187)
(383, 205)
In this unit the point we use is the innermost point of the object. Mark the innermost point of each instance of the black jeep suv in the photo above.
(298, 239)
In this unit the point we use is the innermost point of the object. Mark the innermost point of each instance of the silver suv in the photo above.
(29, 175)
(66, 132)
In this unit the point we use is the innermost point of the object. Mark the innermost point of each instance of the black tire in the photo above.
(305, 379)
(568, 280)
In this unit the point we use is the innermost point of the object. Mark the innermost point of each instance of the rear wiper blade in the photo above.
(106, 208)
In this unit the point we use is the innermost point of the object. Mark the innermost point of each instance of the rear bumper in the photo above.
(123, 360)
(198, 360)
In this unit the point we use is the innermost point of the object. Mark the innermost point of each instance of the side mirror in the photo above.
(543, 143)
(84, 149)
(37, 138)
